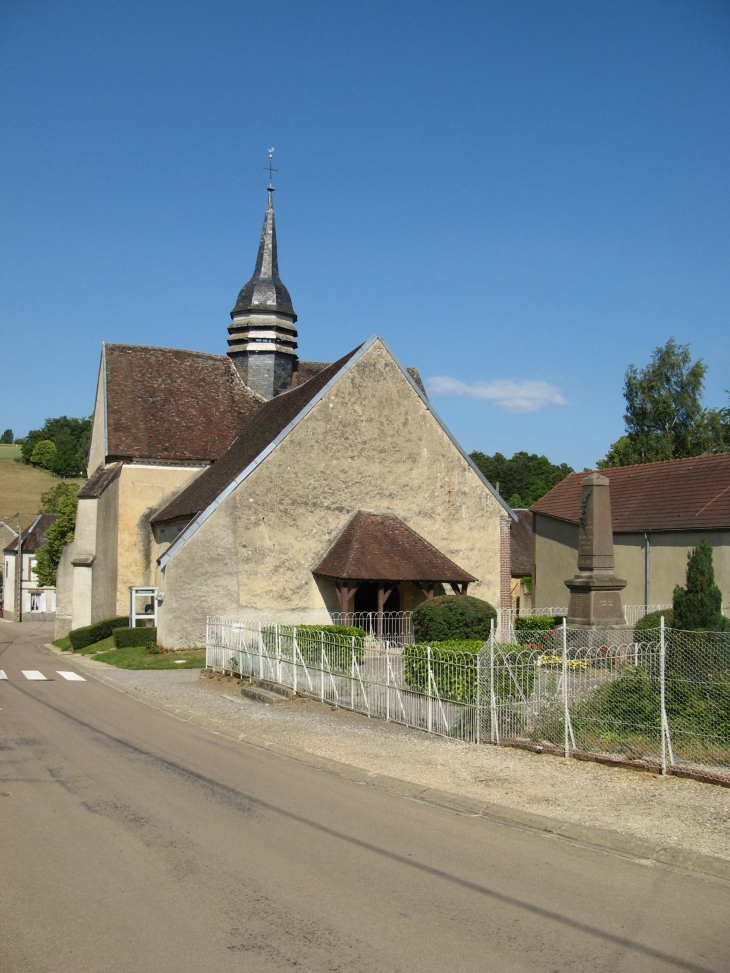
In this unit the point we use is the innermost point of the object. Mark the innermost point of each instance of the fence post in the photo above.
(261, 653)
(478, 713)
(387, 680)
(278, 655)
(429, 716)
(294, 658)
(662, 660)
(566, 714)
(321, 668)
(492, 698)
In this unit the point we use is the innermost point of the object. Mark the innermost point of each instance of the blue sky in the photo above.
(521, 197)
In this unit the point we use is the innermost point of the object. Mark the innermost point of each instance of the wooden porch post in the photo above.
(383, 596)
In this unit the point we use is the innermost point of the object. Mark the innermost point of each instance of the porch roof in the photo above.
(380, 547)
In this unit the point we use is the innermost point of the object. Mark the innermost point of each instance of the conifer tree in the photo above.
(699, 604)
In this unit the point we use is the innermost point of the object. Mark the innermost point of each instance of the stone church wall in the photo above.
(370, 443)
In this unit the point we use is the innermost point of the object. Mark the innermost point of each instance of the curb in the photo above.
(613, 842)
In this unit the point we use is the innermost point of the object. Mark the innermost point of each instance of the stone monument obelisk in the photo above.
(595, 592)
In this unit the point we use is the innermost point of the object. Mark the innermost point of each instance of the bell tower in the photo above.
(262, 334)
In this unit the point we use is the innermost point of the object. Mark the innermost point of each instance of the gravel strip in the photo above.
(670, 810)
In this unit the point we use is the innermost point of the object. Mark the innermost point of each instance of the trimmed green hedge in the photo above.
(452, 617)
(538, 623)
(125, 638)
(339, 644)
(89, 634)
(454, 670)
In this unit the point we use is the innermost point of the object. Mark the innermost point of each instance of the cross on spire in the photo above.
(271, 168)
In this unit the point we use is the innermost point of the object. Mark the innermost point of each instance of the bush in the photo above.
(538, 623)
(653, 620)
(450, 617)
(699, 604)
(125, 638)
(339, 644)
(454, 670)
(89, 634)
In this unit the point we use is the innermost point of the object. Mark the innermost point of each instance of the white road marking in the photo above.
(71, 676)
(32, 674)
(2, 674)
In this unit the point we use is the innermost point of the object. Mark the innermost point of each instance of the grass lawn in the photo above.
(139, 658)
(64, 643)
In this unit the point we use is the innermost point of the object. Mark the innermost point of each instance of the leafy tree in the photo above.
(524, 478)
(44, 452)
(664, 417)
(699, 604)
(59, 534)
(7, 436)
(51, 499)
(71, 437)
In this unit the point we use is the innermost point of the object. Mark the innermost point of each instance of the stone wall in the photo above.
(370, 443)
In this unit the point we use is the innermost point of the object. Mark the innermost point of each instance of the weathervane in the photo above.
(271, 168)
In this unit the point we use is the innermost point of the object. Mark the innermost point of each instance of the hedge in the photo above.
(454, 670)
(538, 623)
(340, 642)
(90, 634)
(653, 620)
(452, 617)
(127, 637)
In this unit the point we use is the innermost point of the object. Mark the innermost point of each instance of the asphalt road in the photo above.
(131, 841)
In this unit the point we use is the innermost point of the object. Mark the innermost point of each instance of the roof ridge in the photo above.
(185, 351)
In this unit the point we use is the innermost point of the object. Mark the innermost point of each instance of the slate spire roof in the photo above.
(265, 291)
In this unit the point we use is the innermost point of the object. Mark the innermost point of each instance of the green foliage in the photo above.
(89, 634)
(664, 417)
(654, 620)
(126, 637)
(340, 641)
(524, 478)
(454, 670)
(52, 500)
(452, 617)
(527, 583)
(44, 452)
(7, 436)
(71, 437)
(537, 623)
(699, 604)
(60, 533)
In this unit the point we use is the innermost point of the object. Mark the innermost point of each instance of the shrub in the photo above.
(699, 604)
(340, 641)
(89, 634)
(452, 617)
(454, 670)
(125, 638)
(43, 453)
(653, 620)
(538, 623)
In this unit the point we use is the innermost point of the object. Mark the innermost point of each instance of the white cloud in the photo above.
(524, 396)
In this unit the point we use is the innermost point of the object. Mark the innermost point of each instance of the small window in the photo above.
(37, 600)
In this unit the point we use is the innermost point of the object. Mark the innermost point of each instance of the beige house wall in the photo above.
(370, 443)
(97, 450)
(556, 553)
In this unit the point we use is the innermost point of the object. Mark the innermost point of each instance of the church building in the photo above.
(255, 483)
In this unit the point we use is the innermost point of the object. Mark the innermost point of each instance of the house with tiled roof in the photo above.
(257, 483)
(37, 603)
(660, 511)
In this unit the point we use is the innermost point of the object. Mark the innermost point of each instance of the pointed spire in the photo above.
(265, 291)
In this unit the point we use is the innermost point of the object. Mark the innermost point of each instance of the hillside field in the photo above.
(21, 487)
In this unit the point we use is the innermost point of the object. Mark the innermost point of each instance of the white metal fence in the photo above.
(661, 699)
(634, 613)
(394, 627)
